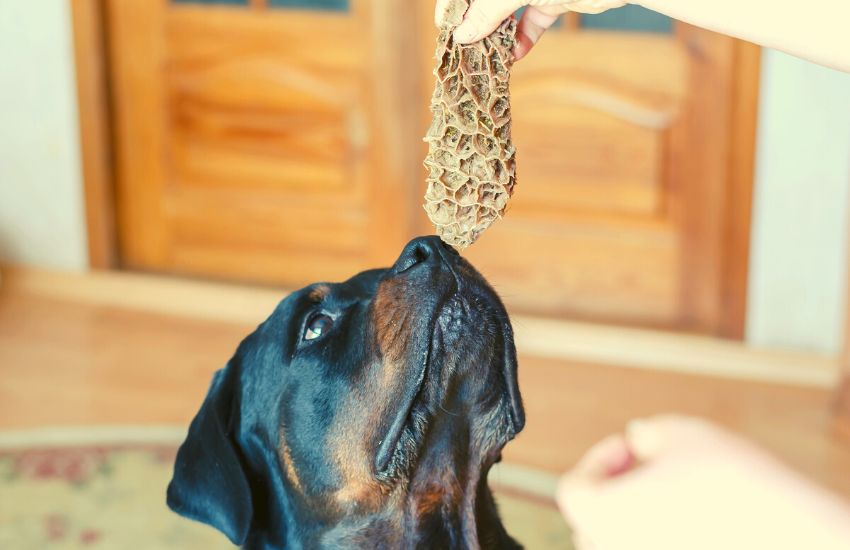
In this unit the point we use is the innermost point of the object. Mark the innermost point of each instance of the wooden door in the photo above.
(280, 141)
(261, 140)
(634, 143)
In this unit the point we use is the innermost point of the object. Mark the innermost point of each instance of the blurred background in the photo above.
(169, 169)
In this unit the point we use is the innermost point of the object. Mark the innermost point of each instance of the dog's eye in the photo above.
(317, 326)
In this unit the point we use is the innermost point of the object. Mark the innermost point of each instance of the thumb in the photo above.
(483, 17)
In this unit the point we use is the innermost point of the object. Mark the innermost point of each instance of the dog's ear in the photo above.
(210, 483)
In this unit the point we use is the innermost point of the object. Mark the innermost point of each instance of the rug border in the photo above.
(63, 436)
(514, 478)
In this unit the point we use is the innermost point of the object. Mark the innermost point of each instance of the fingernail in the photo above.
(465, 32)
(621, 463)
(523, 46)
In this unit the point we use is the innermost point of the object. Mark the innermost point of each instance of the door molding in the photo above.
(741, 180)
(95, 136)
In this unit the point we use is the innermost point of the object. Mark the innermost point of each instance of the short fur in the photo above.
(377, 434)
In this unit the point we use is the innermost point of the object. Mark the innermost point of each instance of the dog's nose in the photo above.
(423, 250)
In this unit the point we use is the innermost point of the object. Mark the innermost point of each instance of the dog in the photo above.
(363, 414)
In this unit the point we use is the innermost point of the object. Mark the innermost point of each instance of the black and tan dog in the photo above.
(364, 414)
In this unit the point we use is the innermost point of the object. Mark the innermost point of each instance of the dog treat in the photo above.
(470, 162)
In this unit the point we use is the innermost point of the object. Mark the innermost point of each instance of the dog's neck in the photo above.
(455, 513)
(430, 511)
(443, 502)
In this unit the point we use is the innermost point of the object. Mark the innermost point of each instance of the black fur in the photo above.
(379, 433)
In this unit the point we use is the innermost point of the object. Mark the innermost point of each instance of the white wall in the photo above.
(798, 268)
(41, 203)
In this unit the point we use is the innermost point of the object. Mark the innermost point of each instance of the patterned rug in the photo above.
(105, 488)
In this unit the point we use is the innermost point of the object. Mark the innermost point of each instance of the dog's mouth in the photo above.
(425, 394)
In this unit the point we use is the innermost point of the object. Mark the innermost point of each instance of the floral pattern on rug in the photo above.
(93, 497)
(114, 497)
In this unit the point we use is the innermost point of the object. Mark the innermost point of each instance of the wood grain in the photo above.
(541, 337)
(282, 154)
(95, 137)
(136, 53)
(698, 165)
(82, 361)
(252, 147)
(740, 182)
(395, 109)
(634, 176)
(569, 406)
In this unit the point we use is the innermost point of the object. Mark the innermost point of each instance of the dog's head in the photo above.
(397, 381)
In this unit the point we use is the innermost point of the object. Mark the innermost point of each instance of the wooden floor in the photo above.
(79, 362)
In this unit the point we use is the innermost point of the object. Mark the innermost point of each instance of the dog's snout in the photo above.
(423, 250)
(418, 251)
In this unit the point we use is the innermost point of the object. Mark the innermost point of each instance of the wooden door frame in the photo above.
(95, 135)
(740, 183)
(99, 179)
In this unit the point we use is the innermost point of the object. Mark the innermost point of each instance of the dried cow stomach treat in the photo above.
(470, 162)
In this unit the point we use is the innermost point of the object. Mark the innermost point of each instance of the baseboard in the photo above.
(181, 297)
(558, 339)
(669, 351)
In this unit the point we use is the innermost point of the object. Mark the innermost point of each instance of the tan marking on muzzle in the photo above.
(350, 451)
(391, 319)
(352, 439)
(360, 418)
(288, 464)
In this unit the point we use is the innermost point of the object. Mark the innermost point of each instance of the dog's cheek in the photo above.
(352, 437)
(290, 470)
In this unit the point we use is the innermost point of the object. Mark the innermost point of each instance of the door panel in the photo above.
(592, 128)
(247, 149)
(623, 124)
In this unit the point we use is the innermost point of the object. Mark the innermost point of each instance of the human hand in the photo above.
(675, 482)
(484, 16)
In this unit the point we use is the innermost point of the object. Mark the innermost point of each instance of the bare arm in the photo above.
(817, 30)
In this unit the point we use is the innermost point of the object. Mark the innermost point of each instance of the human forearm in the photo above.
(816, 30)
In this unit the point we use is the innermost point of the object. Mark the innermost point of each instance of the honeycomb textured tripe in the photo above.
(470, 162)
